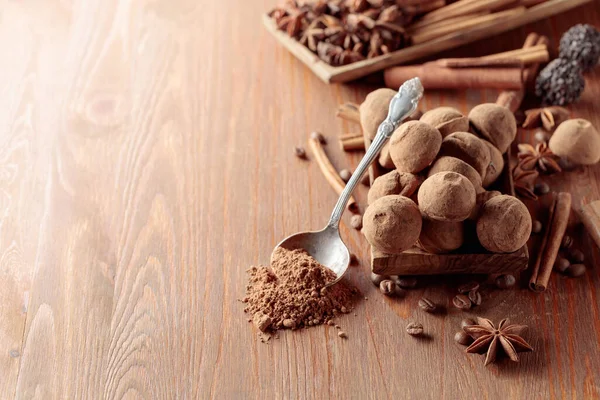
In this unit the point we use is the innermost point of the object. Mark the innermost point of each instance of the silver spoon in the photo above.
(326, 246)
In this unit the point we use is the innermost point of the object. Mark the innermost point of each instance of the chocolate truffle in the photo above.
(469, 148)
(384, 157)
(504, 224)
(394, 182)
(446, 196)
(561, 82)
(392, 224)
(496, 165)
(459, 166)
(582, 44)
(577, 141)
(414, 145)
(480, 200)
(447, 120)
(374, 110)
(494, 123)
(441, 237)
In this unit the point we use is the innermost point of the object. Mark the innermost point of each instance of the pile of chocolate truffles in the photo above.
(436, 196)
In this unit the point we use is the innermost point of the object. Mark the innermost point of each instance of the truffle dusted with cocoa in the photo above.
(440, 236)
(577, 141)
(504, 224)
(447, 120)
(480, 200)
(414, 145)
(496, 165)
(374, 110)
(460, 167)
(494, 123)
(469, 148)
(392, 224)
(394, 182)
(446, 196)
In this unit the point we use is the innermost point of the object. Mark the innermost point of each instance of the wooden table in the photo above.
(147, 161)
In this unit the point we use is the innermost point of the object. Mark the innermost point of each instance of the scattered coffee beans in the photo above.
(345, 175)
(567, 242)
(406, 282)
(356, 221)
(505, 281)
(541, 188)
(467, 322)
(318, 136)
(427, 305)
(376, 279)
(461, 302)
(561, 264)
(389, 288)
(536, 227)
(577, 256)
(300, 152)
(576, 270)
(342, 334)
(468, 287)
(463, 338)
(414, 329)
(475, 297)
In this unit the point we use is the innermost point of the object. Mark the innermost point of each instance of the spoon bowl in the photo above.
(326, 246)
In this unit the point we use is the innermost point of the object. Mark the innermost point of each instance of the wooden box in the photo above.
(359, 69)
(473, 260)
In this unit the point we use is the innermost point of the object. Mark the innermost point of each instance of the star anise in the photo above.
(547, 117)
(539, 156)
(524, 182)
(492, 340)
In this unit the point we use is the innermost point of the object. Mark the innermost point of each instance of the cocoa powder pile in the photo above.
(290, 294)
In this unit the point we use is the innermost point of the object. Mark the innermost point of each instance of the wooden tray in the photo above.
(359, 69)
(418, 262)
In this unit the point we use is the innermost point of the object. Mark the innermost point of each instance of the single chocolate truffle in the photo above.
(392, 224)
(560, 83)
(446, 196)
(582, 44)
(577, 141)
(447, 120)
(480, 200)
(459, 166)
(504, 224)
(385, 160)
(374, 110)
(394, 182)
(496, 165)
(441, 237)
(414, 145)
(494, 123)
(469, 148)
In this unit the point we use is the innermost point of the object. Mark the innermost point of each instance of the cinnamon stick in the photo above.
(435, 77)
(349, 112)
(555, 230)
(352, 143)
(328, 170)
(464, 7)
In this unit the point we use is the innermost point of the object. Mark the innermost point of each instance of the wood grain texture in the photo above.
(147, 161)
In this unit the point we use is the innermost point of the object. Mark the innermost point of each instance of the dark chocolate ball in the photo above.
(560, 82)
(582, 44)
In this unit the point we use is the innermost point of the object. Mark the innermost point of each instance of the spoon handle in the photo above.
(402, 105)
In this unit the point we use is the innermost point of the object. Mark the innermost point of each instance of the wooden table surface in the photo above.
(146, 162)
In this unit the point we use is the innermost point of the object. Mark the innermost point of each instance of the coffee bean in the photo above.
(475, 297)
(467, 287)
(576, 270)
(541, 188)
(389, 288)
(577, 256)
(345, 175)
(536, 226)
(541, 136)
(318, 136)
(376, 279)
(461, 302)
(463, 338)
(414, 329)
(356, 221)
(561, 264)
(342, 334)
(505, 281)
(567, 242)
(467, 322)
(300, 152)
(566, 165)
(406, 282)
(427, 305)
